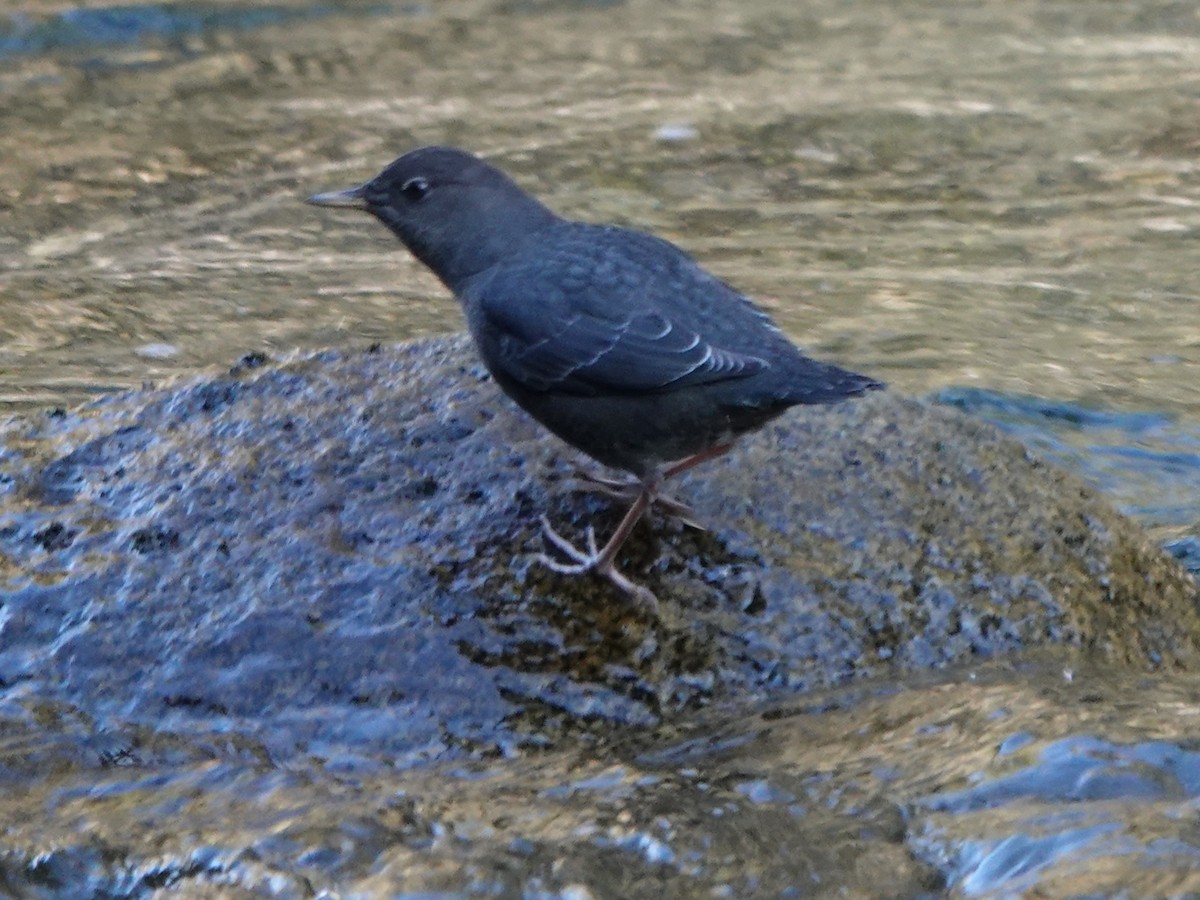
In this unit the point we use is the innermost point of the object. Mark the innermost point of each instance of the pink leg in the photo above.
(628, 490)
(694, 460)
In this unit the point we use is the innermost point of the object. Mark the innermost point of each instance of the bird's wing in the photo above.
(557, 347)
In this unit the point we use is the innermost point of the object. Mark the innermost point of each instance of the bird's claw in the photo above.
(594, 560)
(583, 562)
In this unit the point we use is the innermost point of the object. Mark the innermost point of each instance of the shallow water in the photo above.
(994, 203)
(999, 198)
(993, 781)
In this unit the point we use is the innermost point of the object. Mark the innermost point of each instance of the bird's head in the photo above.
(456, 213)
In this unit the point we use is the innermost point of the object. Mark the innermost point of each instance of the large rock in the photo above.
(234, 608)
(335, 553)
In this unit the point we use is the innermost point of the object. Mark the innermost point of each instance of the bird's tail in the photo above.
(818, 382)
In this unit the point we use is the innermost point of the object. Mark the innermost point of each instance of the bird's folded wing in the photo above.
(578, 352)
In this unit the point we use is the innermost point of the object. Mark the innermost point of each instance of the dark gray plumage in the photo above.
(615, 340)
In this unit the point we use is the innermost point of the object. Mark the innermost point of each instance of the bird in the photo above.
(615, 340)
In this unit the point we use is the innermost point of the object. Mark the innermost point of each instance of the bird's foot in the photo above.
(598, 560)
(629, 489)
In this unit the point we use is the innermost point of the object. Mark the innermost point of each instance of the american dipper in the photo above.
(615, 340)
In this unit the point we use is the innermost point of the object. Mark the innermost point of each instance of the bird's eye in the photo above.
(415, 188)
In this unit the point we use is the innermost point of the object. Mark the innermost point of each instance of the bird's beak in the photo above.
(351, 197)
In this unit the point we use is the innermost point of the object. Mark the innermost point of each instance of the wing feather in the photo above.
(586, 354)
(598, 310)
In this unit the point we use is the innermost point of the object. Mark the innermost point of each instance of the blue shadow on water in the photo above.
(132, 24)
(1018, 410)
(1066, 804)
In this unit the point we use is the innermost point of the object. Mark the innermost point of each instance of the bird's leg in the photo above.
(628, 489)
(695, 459)
(644, 494)
(622, 488)
(601, 561)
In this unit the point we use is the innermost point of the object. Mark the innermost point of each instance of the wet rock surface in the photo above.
(304, 588)
(355, 532)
